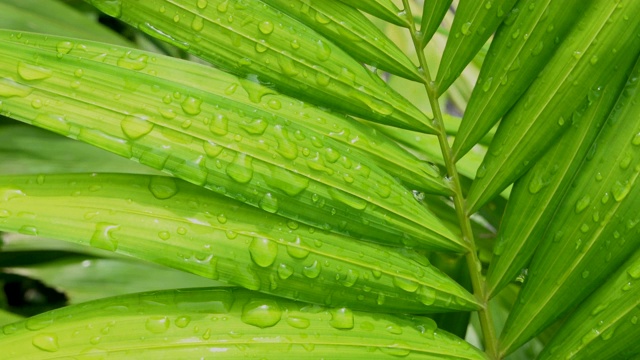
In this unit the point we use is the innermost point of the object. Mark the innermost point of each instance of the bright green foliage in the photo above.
(252, 168)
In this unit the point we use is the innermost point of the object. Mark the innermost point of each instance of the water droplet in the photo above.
(487, 84)
(112, 8)
(350, 278)
(593, 60)
(286, 148)
(28, 230)
(427, 295)
(136, 126)
(585, 274)
(197, 24)
(103, 238)
(4, 213)
(163, 187)
(620, 190)
(538, 49)
(263, 251)
(342, 319)
(636, 139)
(583, 203)
(191, 105)
(133, 61)
(261, 313)
(266, 27)
(64, 47)
(241, 168)
(625, 162)
(212, 149)
(164, 235)
(323, 50)
(269, 203)
(297, 252)
(157, 324)
(10, 88)
(255, 127)
(219, 125)
(465, 28)
(202, 4)
(183, 321)
(284, 271)
(394, 329)
(46, 342)
(405, 284)
(288, 65)
(298, 322)
(634, 270)
(312, 271)
(32, 72)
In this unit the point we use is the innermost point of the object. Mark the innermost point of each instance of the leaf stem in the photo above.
(473, 262)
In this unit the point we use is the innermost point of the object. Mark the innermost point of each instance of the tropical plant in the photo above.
(362, 203)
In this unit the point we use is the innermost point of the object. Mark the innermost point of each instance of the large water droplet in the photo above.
(342, 319)
(427, 295)
(323, 50)
(269, 203)
(405, 284)
(197, 24)
(133, 61)
(32, 72)
(284, 271)
(312, 271)
(255, 127)
(103, 237)
(112, 8)
(219, 125)
(46, 342)
(348, 199)
(240, 169)
(163, 187)
(263, 251)
(262, 313)
(266, 27)
(297, 251)
(620, 190)
(182, 321)
(191, 105)
(157, 324)
(287, 181)
(298, 322)
(583, 203)
(287, 148)
(136, 126)
(10, 88)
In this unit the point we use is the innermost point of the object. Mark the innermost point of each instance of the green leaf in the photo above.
(522, 46)
(7, 317)
(592, 232)
(237, 323)
(433, 13)
(383, 9)
(243, 37)
(474, 22)
(231, 135)
(537, 195)
(55, 18)
(174, 223)
(83, 279)
(352, 31)
(605, 326)
(19, 151)
(577, 73)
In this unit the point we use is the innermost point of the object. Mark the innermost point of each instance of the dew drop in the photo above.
(28, 230)
(191, 105)
(263, 251)
(219, 125)
(312, 271)
(261, 313)
(427, 295)
(103, 238)
(620, 190)
(634, 270)
(46, 342)
(163, 187)
(466, 28)
(348, 199)
(112, 8)
(157, 324)
(487, 84)
(284, 271)
(298, 322)
(212, 149)
(240, 169)
(255, 127)
(342, 319)
(64, 47)
(183, 321)
(405, 284)
(164, 235)
(266, 27)
(197, 24)
(202, 4)
(297, 252)
(10, 88)
(286, 148)
(132, 61)
(269, 203)
(32, 72)
(323, 50)
(582, 204)
(136, 126)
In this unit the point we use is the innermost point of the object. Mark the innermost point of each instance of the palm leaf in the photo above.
(242, 37)
(220, 138)
(182, 323)
(592, 234)
(173, 223)
(383, 9)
